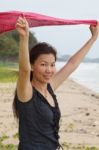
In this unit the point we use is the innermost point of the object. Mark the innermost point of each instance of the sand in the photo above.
(79, 110)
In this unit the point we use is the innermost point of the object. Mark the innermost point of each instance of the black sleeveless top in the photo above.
(38, 123)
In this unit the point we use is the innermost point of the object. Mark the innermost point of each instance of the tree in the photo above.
(9, 43)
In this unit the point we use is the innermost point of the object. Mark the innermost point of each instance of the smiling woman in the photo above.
(45, 107)
(35, 103)
(45, 56)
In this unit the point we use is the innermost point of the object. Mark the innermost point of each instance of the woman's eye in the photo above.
(42, 64)
(53, 65)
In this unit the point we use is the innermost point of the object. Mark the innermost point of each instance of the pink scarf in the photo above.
(8, 20)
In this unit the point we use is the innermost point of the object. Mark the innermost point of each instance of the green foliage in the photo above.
(3, 138)
(69, 146)
(32, 40)
(16, 135)
(9, 45)
(9, 50)
(8, 146)
(8, 72)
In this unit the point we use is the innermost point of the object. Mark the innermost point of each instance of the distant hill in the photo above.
(63, 57)
(66, 57)
(91, 60)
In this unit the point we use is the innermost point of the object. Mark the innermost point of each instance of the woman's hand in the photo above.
(22, 26)
(94, 31)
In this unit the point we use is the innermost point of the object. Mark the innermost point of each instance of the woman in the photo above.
(35, 103)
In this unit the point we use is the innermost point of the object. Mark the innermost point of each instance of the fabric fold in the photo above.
(8, 20)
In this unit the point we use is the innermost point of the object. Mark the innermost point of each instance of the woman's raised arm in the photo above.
(75, 60)
(24, 89)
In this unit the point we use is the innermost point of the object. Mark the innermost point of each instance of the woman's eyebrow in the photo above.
(46, 61)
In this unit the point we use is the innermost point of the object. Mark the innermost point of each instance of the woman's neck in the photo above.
(40, 86)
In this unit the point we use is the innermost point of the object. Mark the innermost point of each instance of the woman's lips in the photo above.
(47, 76)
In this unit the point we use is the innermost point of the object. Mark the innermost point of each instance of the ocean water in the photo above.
(86, 74)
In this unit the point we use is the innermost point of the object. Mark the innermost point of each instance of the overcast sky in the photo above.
(66, 39)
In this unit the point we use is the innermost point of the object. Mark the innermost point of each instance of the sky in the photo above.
(66, 39)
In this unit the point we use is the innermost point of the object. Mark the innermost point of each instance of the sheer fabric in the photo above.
(8, 20)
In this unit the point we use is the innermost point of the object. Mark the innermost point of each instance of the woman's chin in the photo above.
(47, 80)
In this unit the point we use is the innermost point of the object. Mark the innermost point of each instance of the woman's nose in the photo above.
(48, 69)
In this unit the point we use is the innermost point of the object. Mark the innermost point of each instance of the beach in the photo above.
(79, 124)
(80, 114)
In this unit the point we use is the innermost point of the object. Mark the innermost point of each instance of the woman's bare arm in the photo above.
(75, 60)
(24, 88)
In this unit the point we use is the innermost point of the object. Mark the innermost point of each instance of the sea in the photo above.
(86, 74)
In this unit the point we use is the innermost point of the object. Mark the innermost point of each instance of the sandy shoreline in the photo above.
(80, 114)
(79, 109)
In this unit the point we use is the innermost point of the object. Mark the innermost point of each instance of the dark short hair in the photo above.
(41, 48)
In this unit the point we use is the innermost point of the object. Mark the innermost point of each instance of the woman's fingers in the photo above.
(94, 30)
(21, 21)
(22, 26)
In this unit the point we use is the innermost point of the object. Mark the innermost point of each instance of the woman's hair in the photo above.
(35, 52)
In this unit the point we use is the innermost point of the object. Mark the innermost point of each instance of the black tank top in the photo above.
(38, 123)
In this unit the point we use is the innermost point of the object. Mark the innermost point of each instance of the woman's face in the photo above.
(44, 68)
